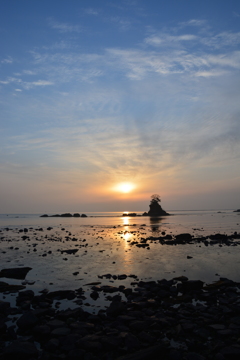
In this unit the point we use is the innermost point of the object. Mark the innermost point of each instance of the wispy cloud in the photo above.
(222, 39)
(210, 73)
(194, 22)
(7, 60)
(64, 27)
(91, 11)
(166, 39)
(29, 72)
(41, 83)
(26, 84)
(123, 24)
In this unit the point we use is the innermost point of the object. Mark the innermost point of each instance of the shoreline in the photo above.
(106, 312)
(179, 317)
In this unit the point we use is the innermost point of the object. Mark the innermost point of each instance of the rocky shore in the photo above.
(166, 319)
(172, 319)
(186, 238)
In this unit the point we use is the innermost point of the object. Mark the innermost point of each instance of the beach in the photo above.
(83, 264)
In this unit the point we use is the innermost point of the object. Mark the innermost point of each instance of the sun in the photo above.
(125, 187)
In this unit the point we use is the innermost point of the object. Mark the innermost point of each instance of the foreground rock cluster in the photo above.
(186, 238)
(166, 319)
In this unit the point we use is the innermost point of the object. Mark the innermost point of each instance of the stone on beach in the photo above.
(15, 273)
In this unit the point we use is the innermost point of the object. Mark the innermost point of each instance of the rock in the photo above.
(155, 209)
(3, 326)
(61, 331)
(4, 306)
(194, 356)
(69, 251)
(62, 294)
(94, 295)
(153, 353)
(116, 308)
(21, 350)
(52, 345)
(182, 238)
(129, 214)
(41, 330)
(190, 285)
(131, 342)
(10, 288)
(15, 273)
(231, 352)
(66, 215)
(56, 323)
(27, 321)
(110, 342)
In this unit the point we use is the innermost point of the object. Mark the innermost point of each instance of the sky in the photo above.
(104, 103)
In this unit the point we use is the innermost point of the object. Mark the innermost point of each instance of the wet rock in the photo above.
(15, 273)
(62, 294)
(116, 308)
(41, 331)
(183, 238)
(52, 345)
(94, 295)
(153, 353)
(56, 323)
(131, 342)
(192, 285)
(69, 251)
(3, 326)
(20, 350)
(61, 331)
(4, 306)
(194, 356)
(27, 321)
(231, 352)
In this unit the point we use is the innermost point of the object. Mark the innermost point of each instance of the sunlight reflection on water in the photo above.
(104, 247)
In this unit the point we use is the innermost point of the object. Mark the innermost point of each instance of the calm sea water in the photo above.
(206, 220)
(103, 244)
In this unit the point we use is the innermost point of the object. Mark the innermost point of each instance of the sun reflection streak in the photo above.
(126, 235)
(125, 220)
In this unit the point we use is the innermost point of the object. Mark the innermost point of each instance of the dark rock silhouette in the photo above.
(15, 273)
(238, 210)
(65, 215)
(129, 214)
(155, 207)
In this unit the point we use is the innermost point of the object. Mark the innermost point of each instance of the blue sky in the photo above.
(97, 93)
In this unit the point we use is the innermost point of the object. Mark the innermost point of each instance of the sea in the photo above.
(103, 243)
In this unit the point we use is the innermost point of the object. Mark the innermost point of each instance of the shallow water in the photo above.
(103, 244)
